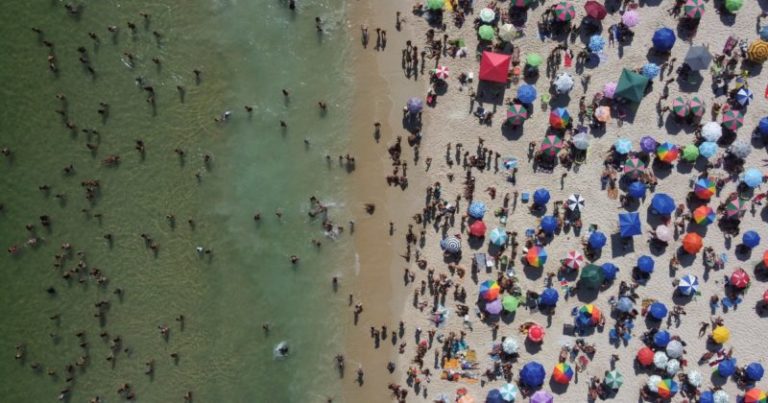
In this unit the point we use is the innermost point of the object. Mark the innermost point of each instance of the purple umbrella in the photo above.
(648, 144)
(609, 89)
(630, 18)
(542, 396)
(494, 307)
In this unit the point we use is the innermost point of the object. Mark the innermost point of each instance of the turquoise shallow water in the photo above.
(247, 52)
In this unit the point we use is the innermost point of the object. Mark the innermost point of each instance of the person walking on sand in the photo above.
(364, 35)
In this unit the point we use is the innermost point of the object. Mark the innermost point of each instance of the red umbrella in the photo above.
(536, 333)
(765, 297)
(595, 10)
(739, 278)
(765, 258)
(692, 243)
(477, 229)
(645, 356)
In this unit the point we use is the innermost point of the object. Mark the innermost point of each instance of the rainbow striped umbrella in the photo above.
(668, 152)
(744, 96)
(588, 315)
(667, 388)
(704, 188)
(562, 373)
(755, 395)
(551, 145)
(517, 114)
(732, 120)
(634, 167)
(565, 11)
(693, 9)
(680, 107)
(489, 290)
(536, 256)
(696, 108)
(736, 206)
(704, 215)
(559, 118)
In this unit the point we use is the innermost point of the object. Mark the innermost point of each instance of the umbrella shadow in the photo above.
(586, 294)
(673, 125)
(686, 259)
(475, 243)
(512, 133)
(532, 273)
(760, 272)
(742, 252)
(661, 169)
(490, 92)
(620, 246)
(681, 299)
(558, 388)
(692, 83)
(531, 347)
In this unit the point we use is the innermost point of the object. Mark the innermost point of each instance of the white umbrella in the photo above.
(509, 345)
(673, 366)
(563, 83)
(442, 72)
(507, 32)
(740, 149)
(664, 233)
(720, 396)
(653, 383)
(575, 202)
(581, 141)
(487, 15)
(712, 131)
(674, 349)
(660, 359)
(694, 378)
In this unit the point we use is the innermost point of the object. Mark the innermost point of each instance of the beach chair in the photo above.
(613, 336)
(480, 261)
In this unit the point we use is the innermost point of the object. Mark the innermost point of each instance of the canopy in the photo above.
(563, 83)
(692, 243)
(631, 86)
(451, 244)
(575, 202)
(754, 371)
(592, 276)
(657, 310)
(562, 373)
(698, 57)
(739, 278)
(541, 196)
(597, 240)
(750, 239)
(536, 256)
(645, 356)
(758, 51)
(595, 10)
(711, 131)
(645, 263)
(662, 204)
(494, 67)
(752, 177)
(498, 236)
(574, 260)
(721, 334)
(613, 379)
(689, 285)
(489, 290)
(609, 271)
(549, 297)
(527, 94)
(548, 224)
(629, 224)
(704, 188)
(476, 209)
(636, 189)
(542, 396)
(532, 374)
(664, 39)
(661, 338)
(477, 229)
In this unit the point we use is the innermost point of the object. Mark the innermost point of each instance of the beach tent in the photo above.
(629, 224)
(532, 374)
(631, 86)
(663, 39)
(698, 58)
(494, 67)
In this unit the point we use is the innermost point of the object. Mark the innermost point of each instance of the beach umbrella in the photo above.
(552, 145)
(486, 33)
(441, 72)
(666, 388)
(708, 149)
(498, 237)
(752, 177)
(613, 379)
(698, 57)
(559, 118)
(653, 383)
(660, 359)
(664, 233)
(720, 396)
(765, 263)
(662, 204)
(574, 260)
(631, 86)
(609, 89)
(507, 32)
(623, 146)
(692, 243)
(726, 368)
(533, 59)
(696, 107)
(694, 378)
(704, 215)
(596, 43)
(690, 153)
(597, 240)
(451, 244)
(476, 209)
(657, 311)
(527, 93)
(542, 396)
(494, 396)
(630, 18)
(707, 396)
(494, 67)
(609, 271)
(562, 373)
(645, 356)
(663, 39)
(415, 105)
(648, 144)
(762, 126)
(510, 303)
(674, 349)
(704, 188)
(629, 224)
(580, 141)
(588, 315)
(536, 256)
(563, 83)
(487, 15)
(595, 10)
(740, 149)
(564, 11)
(489, 290)
(721, 334)
(541, 196)
(522, 3)
(661, 338)
(517, 114)
(575, 202)
(645, 264)
(735, 207)
(592, 276)
(680, 107)
(732, 120)
(754, 371)
(733, 5)
(764, 33)
(744, 96)
(689, 285)
(673, 367)
(624, 304)
(755, 395)
(636, 189)
(711, 131)
(693, 9)
(477, 229)
(634, 168)
(508, 392)
(758, 51)
(549, 297)
(651, 70)
(532, 374)
(435, 4)
(739, 278)
(602, 114)
(494, 307)
(668, 152)
(548, 224)
(750, 239)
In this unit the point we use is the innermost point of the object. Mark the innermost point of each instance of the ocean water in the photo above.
(247, 51)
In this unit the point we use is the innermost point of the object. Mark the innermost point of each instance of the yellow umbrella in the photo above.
(758, 51)
(603, 114)
(721, 334)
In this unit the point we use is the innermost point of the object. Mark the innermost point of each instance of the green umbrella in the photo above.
(435, 4)
(510, 303)
(690, 153)
(485, 32)
(592, 276)
(533, 59)
(733, 5)
(613, 379)
(631, 86)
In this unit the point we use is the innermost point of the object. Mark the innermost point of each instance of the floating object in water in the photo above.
(281, 350)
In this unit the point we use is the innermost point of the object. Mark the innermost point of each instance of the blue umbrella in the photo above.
(663, 204)
(541, 196)
(415, 105)
(549, 224)
(636, 189)
(688, 285)
(532, 374)
(762, 127)
(476, 210)
(494, 396)
(707, 397)
(664, 39)
(609, 271)
(744, 96)
(708, 149)
(549, 297)
(623, 146)
(526, 93)
(661, 338)
(498, 237)
(657, 310)
(624, 304)
(645, 264)
(648, 144)
(754, 371)
(726, 368)
(597, 240)
(651, 70)
(596, 43)
(629, 224)
(753, 177)
(764, 33)
(750, 239)
(451, 244)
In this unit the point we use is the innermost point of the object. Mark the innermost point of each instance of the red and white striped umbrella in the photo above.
(441, 72)
(574, 260)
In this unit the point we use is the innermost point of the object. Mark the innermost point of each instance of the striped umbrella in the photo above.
(517, 114)
(704, 188)
(565, 11)
(522, 3)
(704, 215)
(696, 108)
(735, 207)
(668, 152)
(536, 256)
(680, 107)
(758, 51)
(739, 278)
(575, 202)
(693, 9)
(559, 118)
(688, 285)
(551, 145)
(634, 167)
(451, 244)
(732, 120)
(441, 72)
(574, 260)
(613, 379)
(744, 96)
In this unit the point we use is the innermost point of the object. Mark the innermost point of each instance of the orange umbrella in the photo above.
(536, 333)
(645, 356)
(692, 243)
(765, 297)
(765, 258)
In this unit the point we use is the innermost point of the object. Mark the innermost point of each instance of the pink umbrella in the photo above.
(441, 72)
(609, 89)
(630, 18)
(574, 260)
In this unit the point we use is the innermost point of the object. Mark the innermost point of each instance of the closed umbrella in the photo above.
(533, 59)
(662, 204)
(758, 51)
(487, 15)
(507, 32)
(532, 374)
(645, 264)
(664, 233)
(609, 271)
(563, 83)
(542, 396)
(580, 141)
(732, 119)
(636, 189)
(476, 210)
(595, 10)
(527, 94)
(508, 392)
(624, 304)
(498, 237)
(661, 338)
(549, 297)
(510, 303)
(657, 311)
(744, 96)
(564, 11)
(690, 153)
(415, 105)
(693, 9)
(651, 70)
(548, 224)
(733, 5)
(629, 224)
(613, 379)
(609, 89)
(451, 244)
(596, 43)
(574, 260)
(752, 177)
(623, 146)
(575, 202)
(592, 276)
(708, 149)
(673, 367)
(630, 18)
(754, 371)
(664, 39)
(648, 144)
(541, 196)
(750, 239)
(688, 285)
(485, 32)
(694, 378)
(597, 240)
(711, 131)
(674, 349)
(660, 359)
